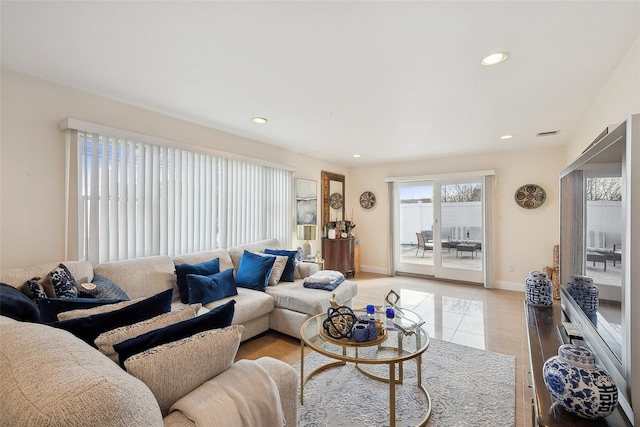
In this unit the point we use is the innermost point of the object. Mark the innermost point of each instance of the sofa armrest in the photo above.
(287, 382)
(305, 269)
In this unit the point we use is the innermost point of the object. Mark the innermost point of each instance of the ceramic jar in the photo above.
(578, 384)
(539, 289)
(584, 293)
(360, 332)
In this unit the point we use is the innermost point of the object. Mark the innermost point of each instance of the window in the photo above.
(141, 199)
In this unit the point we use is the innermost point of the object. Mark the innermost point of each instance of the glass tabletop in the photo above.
(405, 341)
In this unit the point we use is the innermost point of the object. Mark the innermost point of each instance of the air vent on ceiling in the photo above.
(549, 133)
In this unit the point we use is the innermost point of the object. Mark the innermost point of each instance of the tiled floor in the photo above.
(465, 314)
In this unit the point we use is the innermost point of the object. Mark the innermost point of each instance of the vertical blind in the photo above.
(139, 199)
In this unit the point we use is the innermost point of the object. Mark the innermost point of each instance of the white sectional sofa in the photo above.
(282, 308)
(39, 363)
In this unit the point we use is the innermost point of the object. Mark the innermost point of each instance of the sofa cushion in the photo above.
(290, 269)
(202, 269)
(88, 328)
(205, 289)
(51, 378)
(250, 305)
(16, 305)
(174, 369)
(17, 277)
(106, 340)
(199, 257)
(103, 287)
(254, 271)
(51, 307)
(219, 317)
(294, 296)
(141, 277)
(236, 252)
(64, 284)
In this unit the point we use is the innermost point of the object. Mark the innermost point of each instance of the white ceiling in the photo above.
(392, 81)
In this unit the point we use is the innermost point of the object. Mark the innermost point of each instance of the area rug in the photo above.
(468, 387)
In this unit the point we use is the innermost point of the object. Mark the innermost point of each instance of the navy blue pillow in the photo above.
(16, 305)
(50, 307)
(290, 268)
(205, 289)
(219, 317)
(202, 269)
(88, 328)
(254, 271)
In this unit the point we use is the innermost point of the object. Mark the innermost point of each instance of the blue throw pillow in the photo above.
(50, 307)
(290, 268)
(88, 328)
(205, 289)
(105, 289)
(16, 305)
(254, 271)
(219, 317)
(202, 269)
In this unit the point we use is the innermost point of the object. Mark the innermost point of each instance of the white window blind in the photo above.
(140, 199)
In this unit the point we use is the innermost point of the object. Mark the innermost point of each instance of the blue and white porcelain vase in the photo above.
(578, 384)
(539, 289)
(584, 293)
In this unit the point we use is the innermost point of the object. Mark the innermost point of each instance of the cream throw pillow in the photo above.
(107, 308)
(277, 269)
(107, 340)
(174, 369)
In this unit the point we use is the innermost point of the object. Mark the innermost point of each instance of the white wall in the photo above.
(32, 161)
(617, 100)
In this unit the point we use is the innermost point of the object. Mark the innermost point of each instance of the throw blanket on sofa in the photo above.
(231, 400)
(327, 280)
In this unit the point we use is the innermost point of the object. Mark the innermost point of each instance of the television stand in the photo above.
(546, 334)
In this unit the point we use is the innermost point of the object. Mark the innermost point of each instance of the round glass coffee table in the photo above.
(409, 340)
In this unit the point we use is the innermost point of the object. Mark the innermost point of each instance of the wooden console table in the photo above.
(546, 334)
(338, 255)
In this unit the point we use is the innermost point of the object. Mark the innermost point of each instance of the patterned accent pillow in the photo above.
(103, 288)
(164, 371)
(64, 284)
(36, 289)
(107, 340)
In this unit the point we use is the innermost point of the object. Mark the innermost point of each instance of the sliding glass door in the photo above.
(438, 228)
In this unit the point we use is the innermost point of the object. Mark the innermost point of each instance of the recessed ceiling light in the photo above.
(494, 58)
(506, 137)
(259, 120)
(356, 155)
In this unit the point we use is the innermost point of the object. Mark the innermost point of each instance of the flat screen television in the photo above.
(597, 225)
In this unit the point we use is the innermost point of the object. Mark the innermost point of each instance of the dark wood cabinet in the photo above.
(338, 255)
(546, 334)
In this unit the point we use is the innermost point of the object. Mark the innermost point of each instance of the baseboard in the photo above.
(509, 286)
(374, 269)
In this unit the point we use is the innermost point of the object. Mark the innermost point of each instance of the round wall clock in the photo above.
(335, 200)
(530, 196)
(367, 200)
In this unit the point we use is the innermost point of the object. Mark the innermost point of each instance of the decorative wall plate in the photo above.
(367, 200)
(335, 200)
(530, 196)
